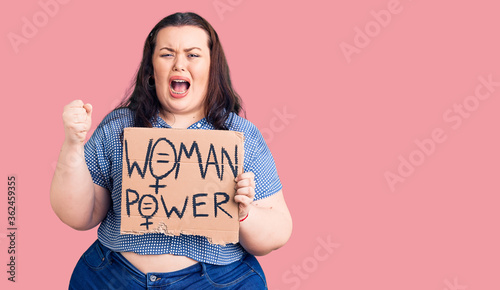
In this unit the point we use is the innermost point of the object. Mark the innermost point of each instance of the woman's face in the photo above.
(181, 63)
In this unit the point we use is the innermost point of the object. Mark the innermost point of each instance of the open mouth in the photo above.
(179, 86)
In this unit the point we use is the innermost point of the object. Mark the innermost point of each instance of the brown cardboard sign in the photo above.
(180, 181)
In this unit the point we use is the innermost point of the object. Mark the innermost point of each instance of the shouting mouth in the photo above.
(179, 86)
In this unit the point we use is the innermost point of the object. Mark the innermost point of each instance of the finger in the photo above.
(76, 104)
(243, 200)
(245, 175)
(246, 191)
(74, 116)
(88, 109)
(243, 183)
(80, 117)
(73, 110)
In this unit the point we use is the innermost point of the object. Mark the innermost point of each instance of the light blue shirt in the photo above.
(103, 154)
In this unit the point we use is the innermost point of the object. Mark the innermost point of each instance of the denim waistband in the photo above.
(156, 278)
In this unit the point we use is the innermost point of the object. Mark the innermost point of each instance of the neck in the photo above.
(180, 121)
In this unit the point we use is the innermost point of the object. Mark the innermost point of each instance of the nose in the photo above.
(179, 64)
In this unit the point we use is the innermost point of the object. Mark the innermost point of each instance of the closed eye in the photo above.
(193, 55)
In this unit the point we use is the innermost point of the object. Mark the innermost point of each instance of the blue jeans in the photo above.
(101, 268)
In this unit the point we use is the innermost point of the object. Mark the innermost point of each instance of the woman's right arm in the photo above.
(74, 197)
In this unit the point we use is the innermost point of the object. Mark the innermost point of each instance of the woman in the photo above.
(182, 82)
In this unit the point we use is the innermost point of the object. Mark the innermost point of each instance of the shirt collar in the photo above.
(158, 122)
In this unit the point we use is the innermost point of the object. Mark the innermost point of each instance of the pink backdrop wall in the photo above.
(382, 117)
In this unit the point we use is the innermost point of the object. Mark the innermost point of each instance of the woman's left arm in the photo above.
(267, 223)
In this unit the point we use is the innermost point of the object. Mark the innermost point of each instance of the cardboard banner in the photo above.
(179, 181)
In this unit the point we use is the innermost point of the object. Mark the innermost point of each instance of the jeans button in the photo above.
(152, 278)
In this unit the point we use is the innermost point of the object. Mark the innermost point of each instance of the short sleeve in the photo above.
(261, 163)
(97, 160)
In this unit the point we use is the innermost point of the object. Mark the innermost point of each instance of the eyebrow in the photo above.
(186, 50)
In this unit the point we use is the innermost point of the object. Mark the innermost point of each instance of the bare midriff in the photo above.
(158, 263)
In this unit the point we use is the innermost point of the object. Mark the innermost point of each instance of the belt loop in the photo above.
(100, 250)
(243, 256)
(203, 268)
(104, 250)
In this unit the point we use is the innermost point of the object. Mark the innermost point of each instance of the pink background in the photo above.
(351, 119)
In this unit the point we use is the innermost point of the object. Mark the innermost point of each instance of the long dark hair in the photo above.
(221, 99)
